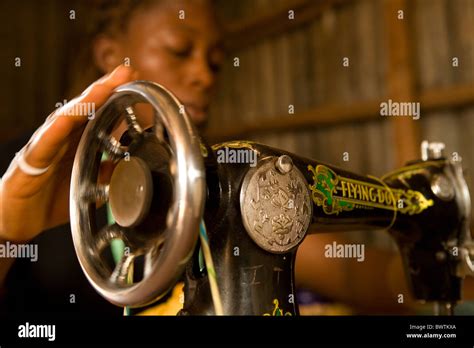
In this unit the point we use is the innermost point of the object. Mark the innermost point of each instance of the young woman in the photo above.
(184, 55)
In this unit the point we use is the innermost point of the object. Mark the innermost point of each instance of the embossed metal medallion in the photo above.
(275, 205)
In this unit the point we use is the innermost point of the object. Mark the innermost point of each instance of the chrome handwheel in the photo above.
(156, 195)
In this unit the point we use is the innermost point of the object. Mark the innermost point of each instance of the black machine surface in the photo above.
(258, 204)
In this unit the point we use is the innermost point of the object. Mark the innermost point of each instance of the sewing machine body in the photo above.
(257, 213)
(255, 265)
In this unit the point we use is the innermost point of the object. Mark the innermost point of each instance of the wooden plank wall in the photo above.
(336, 107)
(38, 32)
(303, 67)
(438, 44)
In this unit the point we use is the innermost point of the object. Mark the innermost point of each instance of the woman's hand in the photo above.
(31, 204)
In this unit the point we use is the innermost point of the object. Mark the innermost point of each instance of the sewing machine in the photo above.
(168, 188)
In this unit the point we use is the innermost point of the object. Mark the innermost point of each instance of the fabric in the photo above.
(172, 305)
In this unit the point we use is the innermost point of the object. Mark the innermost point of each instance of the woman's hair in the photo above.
(102, 17)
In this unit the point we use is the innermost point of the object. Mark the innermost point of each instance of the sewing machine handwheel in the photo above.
(132, 192)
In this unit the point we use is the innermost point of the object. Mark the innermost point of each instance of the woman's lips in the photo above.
(196, 112)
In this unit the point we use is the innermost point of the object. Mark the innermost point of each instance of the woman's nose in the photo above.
(202, 75)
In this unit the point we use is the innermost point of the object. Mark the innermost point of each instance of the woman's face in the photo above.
(184, 55)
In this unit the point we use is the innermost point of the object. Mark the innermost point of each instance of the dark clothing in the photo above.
(56, 279)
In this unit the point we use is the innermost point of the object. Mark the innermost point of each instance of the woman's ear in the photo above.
(107, 53)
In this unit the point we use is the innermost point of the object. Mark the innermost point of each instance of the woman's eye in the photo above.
(181, 51)
(216, 60)
(216, 65)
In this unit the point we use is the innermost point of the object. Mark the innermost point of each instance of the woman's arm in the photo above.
(31, 204)
(5, 264)
(370, 286)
